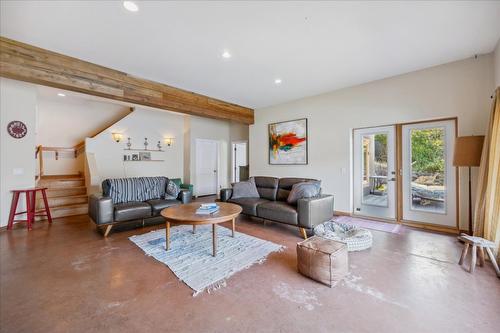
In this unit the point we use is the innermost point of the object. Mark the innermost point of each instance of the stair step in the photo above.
(61, 201)
(66, 210)
(61, 176)
(59, 183)
(64, 192)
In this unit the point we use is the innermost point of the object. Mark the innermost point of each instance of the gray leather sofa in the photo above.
(105, 213)
(272, 205)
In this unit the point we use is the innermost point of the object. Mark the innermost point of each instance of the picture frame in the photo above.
(288, 142)
(145, 156)
(135, 157)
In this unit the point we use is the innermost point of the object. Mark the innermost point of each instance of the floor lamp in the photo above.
(468, 154)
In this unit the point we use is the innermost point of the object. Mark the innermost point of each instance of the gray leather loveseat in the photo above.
(272, 204)
(130, 199)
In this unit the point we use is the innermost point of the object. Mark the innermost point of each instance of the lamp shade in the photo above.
(468, 150)
(117, 136)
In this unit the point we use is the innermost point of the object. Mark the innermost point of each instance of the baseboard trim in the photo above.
(341, 213)
(433, 227)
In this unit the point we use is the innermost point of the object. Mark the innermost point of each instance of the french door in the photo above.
(404, 172)
(374, 172)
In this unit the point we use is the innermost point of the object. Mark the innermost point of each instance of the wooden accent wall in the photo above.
(28, 63)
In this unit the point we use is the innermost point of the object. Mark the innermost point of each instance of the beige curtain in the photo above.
(487, 207)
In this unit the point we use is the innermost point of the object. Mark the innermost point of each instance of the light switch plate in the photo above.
(18, 171)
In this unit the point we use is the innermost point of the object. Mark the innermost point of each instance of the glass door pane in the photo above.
(429, 178)
(375, 169)
(428, 171)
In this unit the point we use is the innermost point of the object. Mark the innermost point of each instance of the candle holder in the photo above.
(129, 144)
(146, 143)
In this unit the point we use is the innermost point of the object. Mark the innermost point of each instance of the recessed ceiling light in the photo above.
(130, 6)
(277, 81)
(61, 95)
(226, 54)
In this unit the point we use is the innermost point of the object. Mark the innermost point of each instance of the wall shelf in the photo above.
(150, 150)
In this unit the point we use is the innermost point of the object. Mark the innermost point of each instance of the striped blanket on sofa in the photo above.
(134, 189)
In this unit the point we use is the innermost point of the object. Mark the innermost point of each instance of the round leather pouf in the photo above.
(357, 239)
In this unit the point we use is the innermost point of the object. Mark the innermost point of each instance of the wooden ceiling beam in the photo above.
(32, 64)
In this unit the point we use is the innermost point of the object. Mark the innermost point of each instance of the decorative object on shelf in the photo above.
(288, 142)
(159, 146)
(125, 157)
(135, 157)
(129, 144)
(117, 136)
(17, 129)
(144, 156)
(169, 141)
(146, 143)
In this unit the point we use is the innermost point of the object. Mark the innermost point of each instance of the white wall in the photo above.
(106, 156)
(496, 55)
(17, 156)
(461, 89)
(67, 121)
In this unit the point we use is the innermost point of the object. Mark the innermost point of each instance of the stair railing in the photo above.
(39, 156)
(76, 150)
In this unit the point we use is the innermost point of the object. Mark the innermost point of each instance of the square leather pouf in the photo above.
(323, 260)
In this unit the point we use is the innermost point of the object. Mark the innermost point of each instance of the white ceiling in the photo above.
(314, 47)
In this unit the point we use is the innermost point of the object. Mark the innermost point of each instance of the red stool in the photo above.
(30, 206)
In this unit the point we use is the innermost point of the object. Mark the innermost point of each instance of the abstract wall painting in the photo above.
(288, 142)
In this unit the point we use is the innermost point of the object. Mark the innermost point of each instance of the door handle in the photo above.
(391, 179)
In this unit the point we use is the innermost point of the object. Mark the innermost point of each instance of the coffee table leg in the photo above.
(233, 225)
(194, 229)
(214, 240)
(167, 238)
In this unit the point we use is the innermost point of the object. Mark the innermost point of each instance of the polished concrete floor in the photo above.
(68, 278)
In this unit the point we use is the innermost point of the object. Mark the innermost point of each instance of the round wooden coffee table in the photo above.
(186, 214)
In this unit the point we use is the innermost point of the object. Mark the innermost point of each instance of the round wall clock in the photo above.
(17, 129)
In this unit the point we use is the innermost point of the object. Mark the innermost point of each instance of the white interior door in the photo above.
(207, 157)
(374, 172)
(429, 178)
(239, 159)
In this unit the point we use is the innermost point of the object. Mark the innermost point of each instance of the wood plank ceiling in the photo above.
(28, 63)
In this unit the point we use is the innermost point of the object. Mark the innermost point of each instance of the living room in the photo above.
(261, 166)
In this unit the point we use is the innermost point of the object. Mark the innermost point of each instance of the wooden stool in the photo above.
(478, 246)
(31, 212)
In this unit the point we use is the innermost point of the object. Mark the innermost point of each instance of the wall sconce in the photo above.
(169, 141)
(117, 136)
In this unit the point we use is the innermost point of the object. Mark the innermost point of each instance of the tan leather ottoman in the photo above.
(323, 260)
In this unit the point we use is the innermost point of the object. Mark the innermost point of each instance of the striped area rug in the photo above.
(190, 255)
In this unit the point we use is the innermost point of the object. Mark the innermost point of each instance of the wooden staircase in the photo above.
(67, 195)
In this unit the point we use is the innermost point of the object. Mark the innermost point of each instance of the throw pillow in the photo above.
(246, 189)
(172, 191)
(303, 190)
